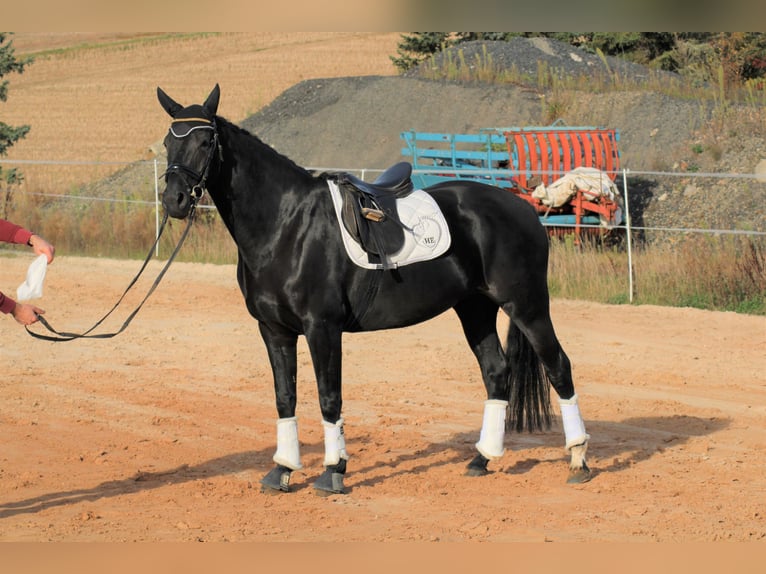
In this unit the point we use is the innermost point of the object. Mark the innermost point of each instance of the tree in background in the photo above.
(416, 47)
(699, 56)
(9, 134)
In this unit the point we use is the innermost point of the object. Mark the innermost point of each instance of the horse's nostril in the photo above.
(176, 202)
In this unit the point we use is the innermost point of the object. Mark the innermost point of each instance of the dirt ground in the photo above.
(163, 433)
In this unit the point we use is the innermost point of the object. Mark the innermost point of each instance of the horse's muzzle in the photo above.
(177, 202)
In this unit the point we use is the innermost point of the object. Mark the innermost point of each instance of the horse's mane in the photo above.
(251, 145)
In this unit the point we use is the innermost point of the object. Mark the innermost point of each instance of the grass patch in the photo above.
(720, 273)
(563, 88)
(726, 273)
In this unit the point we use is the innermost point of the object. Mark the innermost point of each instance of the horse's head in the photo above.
(192, 145)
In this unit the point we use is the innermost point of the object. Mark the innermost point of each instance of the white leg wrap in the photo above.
(490, 443)
(288, 451)
(574, 428)
(334, 443)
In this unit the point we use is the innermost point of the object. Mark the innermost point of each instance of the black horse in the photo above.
(297, 279)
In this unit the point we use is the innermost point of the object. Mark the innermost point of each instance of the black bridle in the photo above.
(196, 191)
(195, 181)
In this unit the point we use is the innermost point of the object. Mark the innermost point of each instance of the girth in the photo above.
(369, 210)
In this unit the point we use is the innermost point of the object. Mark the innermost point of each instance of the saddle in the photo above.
(369, 210)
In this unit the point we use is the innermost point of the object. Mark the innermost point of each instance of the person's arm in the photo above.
(24, 313)
(12, 233)
(6, 304)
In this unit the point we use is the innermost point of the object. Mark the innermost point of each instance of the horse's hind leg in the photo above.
(478, 316)
(539, 332)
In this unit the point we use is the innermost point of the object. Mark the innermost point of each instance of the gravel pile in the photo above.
(528, 56)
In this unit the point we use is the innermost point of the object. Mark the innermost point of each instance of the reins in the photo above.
(196, 191)
(66, 336)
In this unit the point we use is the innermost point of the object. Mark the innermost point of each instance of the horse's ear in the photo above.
(211, 103)
(169, 104)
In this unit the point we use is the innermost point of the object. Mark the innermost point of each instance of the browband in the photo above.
(205, 120)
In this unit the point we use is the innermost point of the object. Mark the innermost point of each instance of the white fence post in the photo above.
(156, 209)
(628, 233)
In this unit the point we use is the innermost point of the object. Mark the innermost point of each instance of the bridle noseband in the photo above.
(199, 186)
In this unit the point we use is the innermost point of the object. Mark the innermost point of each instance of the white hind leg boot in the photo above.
(288, 450)
(574, 428)
(574, 431)
(334, 443)
(490, 443)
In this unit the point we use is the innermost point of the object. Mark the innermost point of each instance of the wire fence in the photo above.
(153, 192)
(115, 190)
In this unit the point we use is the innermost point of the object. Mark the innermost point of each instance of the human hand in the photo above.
(42, 247)
(26, 314)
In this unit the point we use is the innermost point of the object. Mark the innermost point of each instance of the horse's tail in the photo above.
(528, 388)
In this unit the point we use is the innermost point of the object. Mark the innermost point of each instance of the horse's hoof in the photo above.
(331, 480)
(579, 475)
(329, 483)
(478, 466)
(276, 481)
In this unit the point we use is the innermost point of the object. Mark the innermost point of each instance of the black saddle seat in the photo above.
(396, 180)
(369, 210)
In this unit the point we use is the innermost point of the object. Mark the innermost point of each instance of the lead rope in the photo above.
(65, 336)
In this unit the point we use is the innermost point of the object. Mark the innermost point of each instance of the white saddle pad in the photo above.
(426, 235)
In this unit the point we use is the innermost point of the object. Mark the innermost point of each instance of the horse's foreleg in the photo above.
(335, 457)
(325, 346)
(282, 350)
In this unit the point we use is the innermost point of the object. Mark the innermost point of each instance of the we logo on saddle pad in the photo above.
(426, 234)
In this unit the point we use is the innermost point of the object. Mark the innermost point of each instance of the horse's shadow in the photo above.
(139, 482)
(650, 436)
(626, 443)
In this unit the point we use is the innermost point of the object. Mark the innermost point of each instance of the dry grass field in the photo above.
(91, 97)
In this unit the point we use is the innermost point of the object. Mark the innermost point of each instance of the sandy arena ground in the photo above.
(163, 433)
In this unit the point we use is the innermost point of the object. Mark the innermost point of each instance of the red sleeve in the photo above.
(12, 233)
(6, 304)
